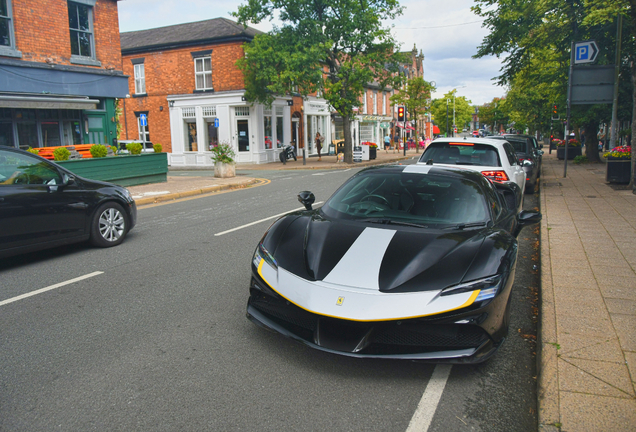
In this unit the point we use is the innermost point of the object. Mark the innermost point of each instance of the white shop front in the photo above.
(200, 122)
(317, 119)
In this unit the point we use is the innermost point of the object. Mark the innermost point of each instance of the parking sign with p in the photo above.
(585, 52)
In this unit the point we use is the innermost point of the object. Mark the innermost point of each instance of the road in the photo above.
(159, 340)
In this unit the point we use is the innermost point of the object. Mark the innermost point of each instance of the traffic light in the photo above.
(401, 114)
(555, 111)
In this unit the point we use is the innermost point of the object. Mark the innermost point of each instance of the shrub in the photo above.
(61, 154)
(33, 150)
(134, 148)
(580, 159)
(99, 151)
(157, 147)
(223, 153)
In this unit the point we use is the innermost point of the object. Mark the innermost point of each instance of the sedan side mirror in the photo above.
(306, 198)
(67, 179)
(526, 218)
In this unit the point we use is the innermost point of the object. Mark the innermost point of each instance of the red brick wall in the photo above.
(171, 72)
(42, 32)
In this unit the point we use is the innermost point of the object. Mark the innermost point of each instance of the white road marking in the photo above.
(261, 220)
(49, 288)
(423, 416)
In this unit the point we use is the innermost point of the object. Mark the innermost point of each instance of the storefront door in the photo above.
(242, 129)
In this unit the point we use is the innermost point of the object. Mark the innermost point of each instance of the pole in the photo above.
(447, 101)
(614, 127)
(567, 127)
(454, 124)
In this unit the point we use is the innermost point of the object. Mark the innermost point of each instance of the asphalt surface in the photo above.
(160, 341)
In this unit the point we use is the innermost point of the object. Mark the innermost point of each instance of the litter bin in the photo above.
(332, 149)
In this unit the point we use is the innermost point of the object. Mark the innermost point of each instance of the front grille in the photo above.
(283, 311)
(447, 336)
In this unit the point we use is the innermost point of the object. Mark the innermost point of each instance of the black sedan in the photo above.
(43, 205)
(411, 262)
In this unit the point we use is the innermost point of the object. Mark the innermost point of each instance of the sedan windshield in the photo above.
(408, 199)
(462, 154)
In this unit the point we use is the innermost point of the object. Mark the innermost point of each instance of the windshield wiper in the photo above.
(467, 225)
(385, 221)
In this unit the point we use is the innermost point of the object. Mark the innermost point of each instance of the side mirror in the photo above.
(67, 179)
(526, 163)
(306, 198)
(527, 218)
(540, 146)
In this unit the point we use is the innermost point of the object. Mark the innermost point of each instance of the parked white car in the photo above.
(495, 159)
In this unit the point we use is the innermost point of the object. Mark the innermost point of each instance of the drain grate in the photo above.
(591, 196)
(548, 184)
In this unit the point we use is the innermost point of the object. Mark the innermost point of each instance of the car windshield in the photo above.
(462, 154)
(518, 144)
(398, 198)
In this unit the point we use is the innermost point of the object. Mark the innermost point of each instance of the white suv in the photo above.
(495, 159)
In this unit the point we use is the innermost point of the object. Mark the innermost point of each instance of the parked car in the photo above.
(410, 262)
(476, 133)
(43, 205)
(529, 159)
(535, 146)
(496, 159)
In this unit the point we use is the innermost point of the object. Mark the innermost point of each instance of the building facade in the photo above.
(60, 72)
(185, 83)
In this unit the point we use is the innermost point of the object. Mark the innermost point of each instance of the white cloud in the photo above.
(432, 25)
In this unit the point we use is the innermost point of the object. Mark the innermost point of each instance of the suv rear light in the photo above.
(498, 176)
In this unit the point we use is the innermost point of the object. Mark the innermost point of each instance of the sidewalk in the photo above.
(587, 370)
(185, 186)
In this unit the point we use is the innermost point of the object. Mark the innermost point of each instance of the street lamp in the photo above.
(454, 94)
(447, 131)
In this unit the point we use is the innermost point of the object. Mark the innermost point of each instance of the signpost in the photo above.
(143, 122)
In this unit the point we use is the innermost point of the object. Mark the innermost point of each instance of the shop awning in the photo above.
(436, 130)
(47, 102)
(408, 126)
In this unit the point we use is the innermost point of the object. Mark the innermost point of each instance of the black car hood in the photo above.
(414, 259)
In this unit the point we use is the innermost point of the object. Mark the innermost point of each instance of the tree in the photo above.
(415, 98)
(335, 46)
(463, 111)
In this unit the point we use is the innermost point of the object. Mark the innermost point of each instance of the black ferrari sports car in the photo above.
(411, 262)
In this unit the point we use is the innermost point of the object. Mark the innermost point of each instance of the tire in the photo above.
(294, 155)
(281, 156)
(109, 225)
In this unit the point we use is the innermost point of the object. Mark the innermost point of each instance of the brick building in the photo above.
(60, 72)
(184, 79)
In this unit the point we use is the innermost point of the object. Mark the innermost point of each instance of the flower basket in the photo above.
(619, 164)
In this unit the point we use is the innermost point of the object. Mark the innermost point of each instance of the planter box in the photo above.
(618, 170)
(373, 152)
(572, 152)
(127, 170)
(224, 170)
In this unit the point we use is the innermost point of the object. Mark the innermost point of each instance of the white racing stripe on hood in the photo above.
(360, 266)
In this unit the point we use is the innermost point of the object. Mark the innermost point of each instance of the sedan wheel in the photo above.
(109, 226)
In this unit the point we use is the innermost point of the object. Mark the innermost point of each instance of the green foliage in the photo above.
(414, 97)
(99, 151)
(134, 148)
(463, 111)
(157, 148)
(223, 153)
(580, 160)
(33, 150)
(335, 47)
(61, 154)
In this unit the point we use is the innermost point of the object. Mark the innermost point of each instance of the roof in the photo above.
(470, 140)
(182, 35)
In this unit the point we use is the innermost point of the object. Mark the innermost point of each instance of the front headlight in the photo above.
(488, 288)
(262, 254)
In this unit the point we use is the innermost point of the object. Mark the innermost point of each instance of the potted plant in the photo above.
(619, 164)
(574, 148)
(223, 157)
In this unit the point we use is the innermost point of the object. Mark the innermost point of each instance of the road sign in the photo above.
(216, 122)
(592, 85)
(585, 52)
(143, 119)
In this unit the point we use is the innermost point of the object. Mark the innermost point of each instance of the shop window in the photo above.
(212, 137)
(267, 128)
(27, 135)
(6, 134)
(203, 73)
(140, 79)
(51, 134)
(80, 19)
(279, 129)
(191, 136)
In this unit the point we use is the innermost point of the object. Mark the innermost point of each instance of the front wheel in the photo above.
(294, 155)
(109, 225)
(281, 156)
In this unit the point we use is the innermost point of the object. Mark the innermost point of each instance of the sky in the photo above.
(446, 31)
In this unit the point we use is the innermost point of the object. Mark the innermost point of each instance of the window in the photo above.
(80, 20)
(383, 103)
(279, 127)
(203, 73)
(364, 110)
(375, 102)
(267, 128)
(140, 79)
